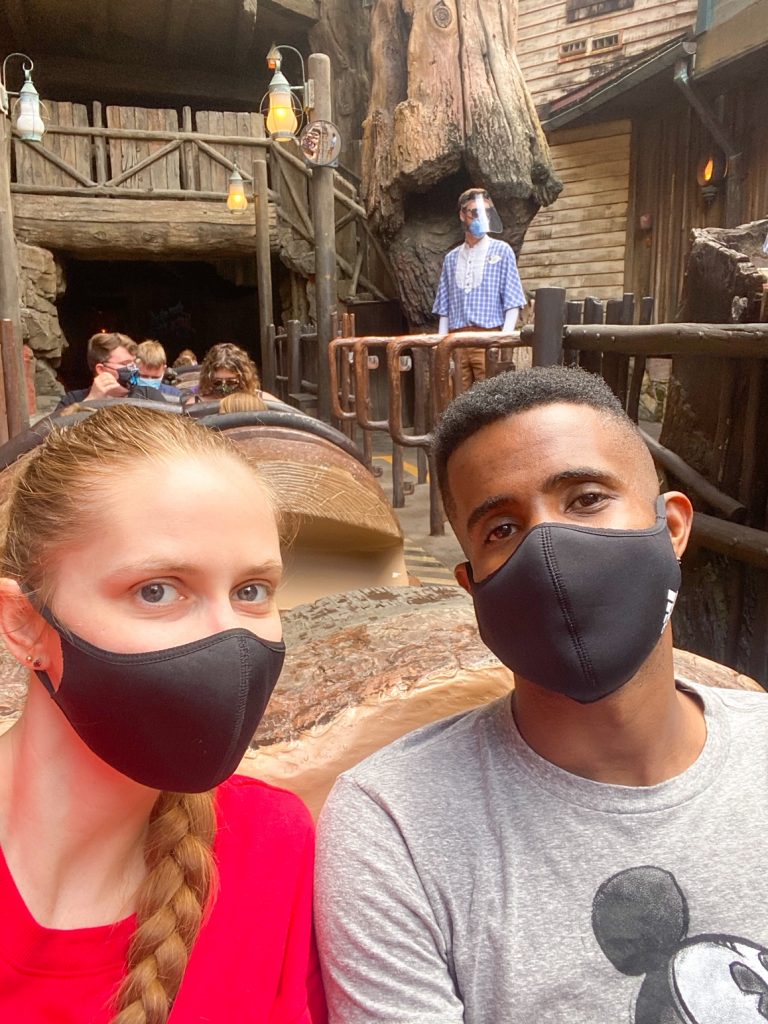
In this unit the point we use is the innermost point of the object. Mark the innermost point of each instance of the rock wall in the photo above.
(42, 282)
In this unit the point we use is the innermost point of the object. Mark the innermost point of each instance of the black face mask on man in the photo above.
(577, 609)
(179, 719)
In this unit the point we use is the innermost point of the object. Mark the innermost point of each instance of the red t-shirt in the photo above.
(254, 959)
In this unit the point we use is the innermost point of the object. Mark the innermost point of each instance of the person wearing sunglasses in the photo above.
(106, 354)
(225, 370)
(480, 286)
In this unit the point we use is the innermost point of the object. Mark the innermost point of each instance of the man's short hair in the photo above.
(469, 194)
(151, 354)
(101, 347)
(514, 392)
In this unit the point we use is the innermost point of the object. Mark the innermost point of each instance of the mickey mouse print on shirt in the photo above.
(640, 920)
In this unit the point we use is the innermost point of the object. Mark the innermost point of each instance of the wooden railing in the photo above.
(141, 153)
(138, 153)
(615, 349)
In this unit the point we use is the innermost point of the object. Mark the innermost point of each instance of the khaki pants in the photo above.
(471, 365)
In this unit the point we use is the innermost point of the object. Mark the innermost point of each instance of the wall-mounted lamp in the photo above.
(237, 201)
(285, 109)
(711, 172)
(29, 123)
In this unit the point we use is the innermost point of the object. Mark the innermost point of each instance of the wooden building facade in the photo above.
(579, 243)
(650, 102)
(565, 44)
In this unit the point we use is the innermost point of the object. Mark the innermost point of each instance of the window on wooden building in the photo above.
(602, 43)
(576, 48)
(578, 10)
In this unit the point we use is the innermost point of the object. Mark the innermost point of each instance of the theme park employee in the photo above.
(140, 880)
(592, 848)
(479, 284)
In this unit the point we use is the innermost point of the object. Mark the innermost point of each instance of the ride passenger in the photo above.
(140, 880)
(225, 369)
(153, 364)
(185, 358)
(106, 355)
(590, 848)
(242, 401)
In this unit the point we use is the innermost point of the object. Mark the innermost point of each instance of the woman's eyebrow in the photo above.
(161, 567)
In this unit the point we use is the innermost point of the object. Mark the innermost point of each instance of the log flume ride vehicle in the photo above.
(371, 654)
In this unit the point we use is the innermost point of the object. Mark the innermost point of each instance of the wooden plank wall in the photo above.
(666, 148)
(124, 153)
(542, 28)
(33, 169)
(578, 243)
(213, 176)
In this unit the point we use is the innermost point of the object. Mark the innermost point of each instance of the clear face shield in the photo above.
(480, 215)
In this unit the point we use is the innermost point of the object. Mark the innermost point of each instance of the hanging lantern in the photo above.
(281, 118)
(710, 174)
(237, 201)
(29, 123)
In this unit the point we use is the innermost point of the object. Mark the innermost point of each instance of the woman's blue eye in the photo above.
(158, 593)
(253, 593)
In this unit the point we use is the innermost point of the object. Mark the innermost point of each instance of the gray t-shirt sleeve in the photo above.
(383, 954)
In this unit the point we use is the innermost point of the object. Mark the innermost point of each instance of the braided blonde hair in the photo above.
(171, 905)
(54, 497)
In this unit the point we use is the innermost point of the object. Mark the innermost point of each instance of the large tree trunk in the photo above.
(715, 420)
(449, 109)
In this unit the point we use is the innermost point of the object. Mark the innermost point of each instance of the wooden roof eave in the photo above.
(601, 93)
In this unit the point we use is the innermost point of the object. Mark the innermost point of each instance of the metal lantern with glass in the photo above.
(29, 123)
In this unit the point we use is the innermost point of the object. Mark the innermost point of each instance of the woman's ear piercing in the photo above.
(29, 657)
(37, 663)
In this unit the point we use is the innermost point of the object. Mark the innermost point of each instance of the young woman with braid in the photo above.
(139, 882)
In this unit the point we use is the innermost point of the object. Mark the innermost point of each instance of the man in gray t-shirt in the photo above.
(589, 851)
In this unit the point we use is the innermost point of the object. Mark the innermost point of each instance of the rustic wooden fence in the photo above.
(118, 152)
(608, 345)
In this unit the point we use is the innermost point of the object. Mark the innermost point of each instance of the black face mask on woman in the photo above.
(178, 719)
(577, 609)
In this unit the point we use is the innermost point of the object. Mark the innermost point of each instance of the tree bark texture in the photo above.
(449, 109)
(715, 416)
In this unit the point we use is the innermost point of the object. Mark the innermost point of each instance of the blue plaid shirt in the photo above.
(484, 306)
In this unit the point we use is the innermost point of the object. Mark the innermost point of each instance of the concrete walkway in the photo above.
(442, 553)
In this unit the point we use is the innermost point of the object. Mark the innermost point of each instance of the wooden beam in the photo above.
(115, 229)
(743, 543)
(10, 300)
(741, 341)
(140, 134)
(693, 481)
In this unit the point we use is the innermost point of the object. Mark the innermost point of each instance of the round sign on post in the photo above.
(321, 144)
